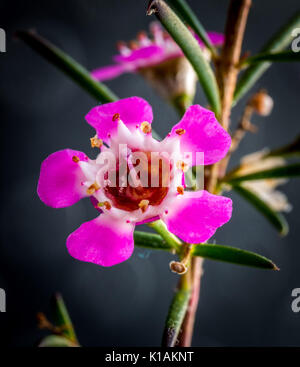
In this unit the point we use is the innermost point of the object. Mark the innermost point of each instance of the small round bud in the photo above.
(178, 267)
(262, 103)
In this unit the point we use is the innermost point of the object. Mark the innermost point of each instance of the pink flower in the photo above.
(68, 176)
(146, 52)
(161, 63)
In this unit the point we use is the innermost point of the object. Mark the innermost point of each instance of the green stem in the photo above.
(277, 43)
(160, 227)
(186, 13)
(151, 241)
(177, 312)
(63, 319)
(191, 49)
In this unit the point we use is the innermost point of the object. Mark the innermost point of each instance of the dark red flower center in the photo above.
(129, 198)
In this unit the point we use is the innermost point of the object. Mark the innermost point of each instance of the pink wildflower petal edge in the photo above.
(216, 39)
(132, 111)
(197, 215)
(102, 241)
(203, 134)
(108, 72)
(60, 179)
(142, 56)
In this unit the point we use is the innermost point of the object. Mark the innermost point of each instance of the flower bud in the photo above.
(262, 103)
(178, 267)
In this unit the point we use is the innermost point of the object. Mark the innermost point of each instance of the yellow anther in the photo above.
(143, 205)
(92, 189)
(75, 159)
(116, 117)
(106, 204)
(95, 142)
(182, 166)
(146, 127)
(180, 131)
(180, 190)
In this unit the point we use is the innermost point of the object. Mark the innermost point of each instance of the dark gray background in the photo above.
(126, 305)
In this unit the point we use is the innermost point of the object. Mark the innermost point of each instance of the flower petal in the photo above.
(132, 110)
(197, 215)
(202, 134)
(108, 72)
(216, 39)
(60, 179)
(142, 56)
(102, 241)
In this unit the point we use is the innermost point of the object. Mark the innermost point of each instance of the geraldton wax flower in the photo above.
(117, 181)
(159, 60)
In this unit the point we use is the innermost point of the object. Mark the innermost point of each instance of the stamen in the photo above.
(106, 204)
(180, 190)
(146, 127)
(133, 45)
(143, 39)
(143, 205)
(92, 189)
(95, 142)
(116, 117)
(180, 131)
(122, 47)
(182, 166)
(141, 35)
(75, 159)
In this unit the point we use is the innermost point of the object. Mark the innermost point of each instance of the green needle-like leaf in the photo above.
(62, 318)
(175, 317)
(276, 44)
(288, 150)
(209, 251)
(275, 218)
(284, 56)
(151, 240)
(56, 341)
(68, 65)
(191, 49)
(187, 14)
(233, 255)
(290, 170)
